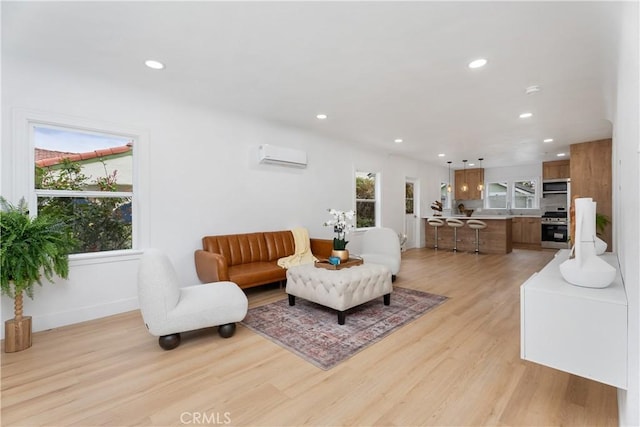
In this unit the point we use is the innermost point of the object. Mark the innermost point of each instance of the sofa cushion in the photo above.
(238, 248)
(251, 247)
(256, 273)
(279, 244)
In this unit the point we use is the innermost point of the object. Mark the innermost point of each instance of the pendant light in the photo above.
(449, 182)
(464, 187)
(481, 183)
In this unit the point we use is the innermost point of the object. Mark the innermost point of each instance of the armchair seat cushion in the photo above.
(392, 262)
(201, 306)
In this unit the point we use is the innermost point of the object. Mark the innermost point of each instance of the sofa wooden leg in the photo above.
(292, 299)
(341, 317)
(169, 342)
(387, 299)
(227, 331)
(393, 278)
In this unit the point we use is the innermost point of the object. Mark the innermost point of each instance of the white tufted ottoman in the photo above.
(339, 289)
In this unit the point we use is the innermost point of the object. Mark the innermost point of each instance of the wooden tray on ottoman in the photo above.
(352, 262)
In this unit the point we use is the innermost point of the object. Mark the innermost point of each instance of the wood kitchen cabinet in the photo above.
(516, 230)
(556, 170)
(474, 177)
(532, 231)
(591, 176)
(526, 230)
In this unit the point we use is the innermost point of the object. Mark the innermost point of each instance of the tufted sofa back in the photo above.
(251, 247)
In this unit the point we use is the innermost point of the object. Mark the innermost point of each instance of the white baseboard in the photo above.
(82, 314)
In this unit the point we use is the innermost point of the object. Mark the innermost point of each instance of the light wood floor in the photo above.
(457, 365)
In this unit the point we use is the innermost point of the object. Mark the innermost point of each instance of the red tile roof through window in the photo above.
(46, 158)
(42, 154)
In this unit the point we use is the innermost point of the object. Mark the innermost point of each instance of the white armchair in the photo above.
(168, 309)
(382, 246)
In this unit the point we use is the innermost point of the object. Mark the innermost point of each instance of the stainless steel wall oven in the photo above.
(555, 230)
(556, 199)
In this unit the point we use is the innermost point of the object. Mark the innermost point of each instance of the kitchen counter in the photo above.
(480, 217)
(495, 239)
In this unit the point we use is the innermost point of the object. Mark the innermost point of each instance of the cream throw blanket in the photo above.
(302, 254)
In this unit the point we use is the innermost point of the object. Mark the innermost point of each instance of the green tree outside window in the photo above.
(365, 200)
(98, 223)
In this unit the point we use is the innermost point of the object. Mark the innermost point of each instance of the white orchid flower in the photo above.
(342, 224)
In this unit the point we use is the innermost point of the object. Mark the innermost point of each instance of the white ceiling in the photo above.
(379, 70)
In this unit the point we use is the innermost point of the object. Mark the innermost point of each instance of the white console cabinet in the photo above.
(578, 330)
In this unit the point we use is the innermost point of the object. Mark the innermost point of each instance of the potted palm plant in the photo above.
(30, 249)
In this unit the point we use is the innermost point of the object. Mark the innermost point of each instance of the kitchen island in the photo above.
(495, 239)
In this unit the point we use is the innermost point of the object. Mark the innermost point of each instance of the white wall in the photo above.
(513, 172)
(203, 178)
(626, 145)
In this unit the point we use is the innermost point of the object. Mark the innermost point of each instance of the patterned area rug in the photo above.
(312, 332)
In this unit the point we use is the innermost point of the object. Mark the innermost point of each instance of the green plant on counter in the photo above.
(601, 223)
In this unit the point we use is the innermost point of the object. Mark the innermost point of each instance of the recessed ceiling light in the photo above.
(532, 89)
(397, 140)
(441, 155)
(472, 164)
(156, 65)
(321, 116)
(548, 140)
(525, 115)
(481, 62)
(561, 154)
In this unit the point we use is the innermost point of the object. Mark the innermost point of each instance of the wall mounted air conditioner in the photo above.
(282, 156)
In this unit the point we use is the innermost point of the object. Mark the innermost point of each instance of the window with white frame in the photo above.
(524, 194)
(408, 198)
(367, 199)
(445, 195)
(512, 194)
(496, 195)
(87, 179)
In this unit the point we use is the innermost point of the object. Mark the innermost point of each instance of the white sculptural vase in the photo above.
(586, 268)
(601, 246)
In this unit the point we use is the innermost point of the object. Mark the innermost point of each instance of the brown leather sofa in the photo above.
(250, 259)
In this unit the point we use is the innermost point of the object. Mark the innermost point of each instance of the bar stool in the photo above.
(476, 224)
(435, 223)
(455, 224)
